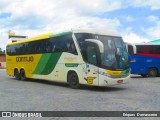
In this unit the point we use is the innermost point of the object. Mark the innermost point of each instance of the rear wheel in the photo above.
(152, 72)
(73, 80)
(22, 74)
(16, 74)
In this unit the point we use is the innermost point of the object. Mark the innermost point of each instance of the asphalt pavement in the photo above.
(140, 94)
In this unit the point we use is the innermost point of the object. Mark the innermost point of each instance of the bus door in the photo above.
(91, 73)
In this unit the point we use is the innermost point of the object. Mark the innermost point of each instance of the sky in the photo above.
(136, 20)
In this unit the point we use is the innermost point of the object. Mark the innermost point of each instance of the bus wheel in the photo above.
(73, 80)
(152, 72)
(16, 74)
(143, 75)
(22, 75)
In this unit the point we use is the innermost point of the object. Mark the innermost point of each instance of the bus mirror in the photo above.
(131, 48)
(99, 43)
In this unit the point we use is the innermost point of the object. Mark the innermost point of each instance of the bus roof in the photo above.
(97, 31)
(147, 43)
(44, 36)
(155, 41)
(94, 31)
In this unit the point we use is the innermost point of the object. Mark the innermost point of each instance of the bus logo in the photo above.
(90, 80)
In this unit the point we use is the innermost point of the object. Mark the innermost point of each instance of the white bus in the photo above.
(91, 57)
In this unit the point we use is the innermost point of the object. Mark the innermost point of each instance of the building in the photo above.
(2, 58)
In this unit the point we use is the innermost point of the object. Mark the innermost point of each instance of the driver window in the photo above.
(91, 55)
(130, 49)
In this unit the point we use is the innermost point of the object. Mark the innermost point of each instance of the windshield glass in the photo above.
(115, 56)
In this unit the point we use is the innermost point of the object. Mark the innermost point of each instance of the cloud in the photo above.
(42, 12)
(129, 19)
(34, 17)
(154, 4)
(4, 38)
(152, 18)
(154, 31)
(134, 38)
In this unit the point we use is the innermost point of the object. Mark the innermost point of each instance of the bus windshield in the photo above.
(115, 56)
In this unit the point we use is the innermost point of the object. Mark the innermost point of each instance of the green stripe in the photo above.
(61, 34)
(125, 71)
(47, 63)
(51, 63)
(42, 63)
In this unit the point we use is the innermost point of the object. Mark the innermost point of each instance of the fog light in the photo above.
(120, 81)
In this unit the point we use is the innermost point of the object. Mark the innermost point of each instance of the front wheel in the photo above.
(73, 80)
(152, 72)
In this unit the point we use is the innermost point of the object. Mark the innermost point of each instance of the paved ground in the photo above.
(141, 94)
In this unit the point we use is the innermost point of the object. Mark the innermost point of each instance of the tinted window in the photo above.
(150, 49)
(91, 55)
(130, 49)
(55, 44)
(63, 44)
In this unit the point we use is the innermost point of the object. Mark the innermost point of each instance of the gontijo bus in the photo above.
(75, 57)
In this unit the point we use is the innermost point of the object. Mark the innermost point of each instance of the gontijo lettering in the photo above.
(25, 59)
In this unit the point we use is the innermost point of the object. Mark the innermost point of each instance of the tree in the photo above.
(4, 52)
(0, 50)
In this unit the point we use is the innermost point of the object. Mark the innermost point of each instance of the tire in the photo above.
(152, 72)
(73, 80)
(143, 75)
(22, 75)
(16, 74)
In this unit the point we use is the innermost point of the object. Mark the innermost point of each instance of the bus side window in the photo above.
(52, 44)
(63, 44)
(130, 49)
(71, 47)
(58, 46)
(139, 48)
(145, 49)
(158, 50)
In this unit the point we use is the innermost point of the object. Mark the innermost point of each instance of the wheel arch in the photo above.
(71, 71)
(16, 69)
(153, 68)
(150, 68)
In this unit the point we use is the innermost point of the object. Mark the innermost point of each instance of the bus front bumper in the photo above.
(107, 81)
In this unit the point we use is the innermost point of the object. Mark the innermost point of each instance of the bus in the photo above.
(89, 57)
(144, 59)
